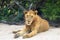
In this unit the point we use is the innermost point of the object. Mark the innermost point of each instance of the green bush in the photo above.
(51, 10)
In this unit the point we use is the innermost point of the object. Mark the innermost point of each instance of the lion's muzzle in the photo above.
(28, 22)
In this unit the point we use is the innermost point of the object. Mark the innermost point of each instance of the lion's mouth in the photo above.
(29, 23)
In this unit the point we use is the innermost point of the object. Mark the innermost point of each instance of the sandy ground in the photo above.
(6, 33)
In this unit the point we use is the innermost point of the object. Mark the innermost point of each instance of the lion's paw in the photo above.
(26, 36)
(16, 35)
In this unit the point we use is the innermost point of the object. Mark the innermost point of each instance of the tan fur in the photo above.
(33, 25)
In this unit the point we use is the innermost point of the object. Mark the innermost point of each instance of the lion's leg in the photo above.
(34, 32)
(16, 31)
(20, 33)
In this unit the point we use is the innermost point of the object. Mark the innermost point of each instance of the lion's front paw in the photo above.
(14, 32)
(26, 36)
(16, 35)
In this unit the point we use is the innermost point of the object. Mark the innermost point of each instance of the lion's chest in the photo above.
(32, 27)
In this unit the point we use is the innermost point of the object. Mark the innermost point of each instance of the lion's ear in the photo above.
(36, 12)
(25, 12)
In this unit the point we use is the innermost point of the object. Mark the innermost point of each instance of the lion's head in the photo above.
(29, 16)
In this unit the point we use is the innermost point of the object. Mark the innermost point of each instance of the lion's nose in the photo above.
(28, 21)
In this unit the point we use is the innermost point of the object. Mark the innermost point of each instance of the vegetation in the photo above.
(11, 12)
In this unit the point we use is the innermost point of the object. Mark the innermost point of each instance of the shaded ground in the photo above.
(6, 33)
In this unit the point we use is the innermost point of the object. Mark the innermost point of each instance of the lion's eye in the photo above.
(27, 15)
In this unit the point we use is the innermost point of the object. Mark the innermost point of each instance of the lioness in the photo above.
(33, 25)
